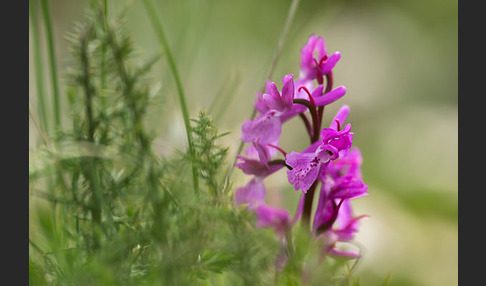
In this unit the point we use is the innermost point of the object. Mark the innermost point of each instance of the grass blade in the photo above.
(52, 64)
(39, 78)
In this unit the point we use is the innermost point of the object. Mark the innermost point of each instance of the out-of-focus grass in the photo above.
(399, 65)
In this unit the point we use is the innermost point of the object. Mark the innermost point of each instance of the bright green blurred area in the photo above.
(399, 64)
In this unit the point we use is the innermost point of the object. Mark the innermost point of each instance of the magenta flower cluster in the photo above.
(329, 161)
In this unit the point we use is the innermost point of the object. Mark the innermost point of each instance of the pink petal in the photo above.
(253, 194)
(330, 63)
(331, 96)
(267, 127)
(340, 116)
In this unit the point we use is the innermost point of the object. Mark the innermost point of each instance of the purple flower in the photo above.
(280, 102)
(278, 219)
(312, 67)
(252, 152)
(343, 229)
(330, 161)
(257, 166)
(345, 179)
(330, 97)
(347, 187)
(272, 105)
(346, 224)
(260, 105)
(308, 84)
(339, 118)
(307, 166)
(301, 93)
(350, 165)
(337, 143)
(267, 127)
(268, 216)
(253, 193)
(327, 211)
(335, 223)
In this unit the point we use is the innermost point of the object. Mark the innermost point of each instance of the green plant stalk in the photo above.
(271, 69)
(42, 134)
(91, 171)
(46, 142)
(103, 60)
(52, 65)
(96, 200)
(157, 24)
(39, 78)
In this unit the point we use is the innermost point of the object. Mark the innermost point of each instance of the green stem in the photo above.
(157, 24)
(52, 64)
(45, 139)
(103, 60)
(96, 201)
(39, 76)
(87, 86)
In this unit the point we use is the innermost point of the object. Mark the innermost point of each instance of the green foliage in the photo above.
(208, 157)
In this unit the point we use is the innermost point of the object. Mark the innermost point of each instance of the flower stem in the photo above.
(308, 200)
(279, 162)
(307, 124)
(328, 89)
(314, 136)
(157, 24)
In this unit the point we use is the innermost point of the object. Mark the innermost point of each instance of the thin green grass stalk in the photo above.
(39, 76)
(52, 65)
(43, 253)
(103, 61)
(387, 280)
(36, 121)
(46, 142)
(157, 24)
(271, 69)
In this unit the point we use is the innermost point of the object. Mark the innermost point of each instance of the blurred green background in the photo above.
(399, 64)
